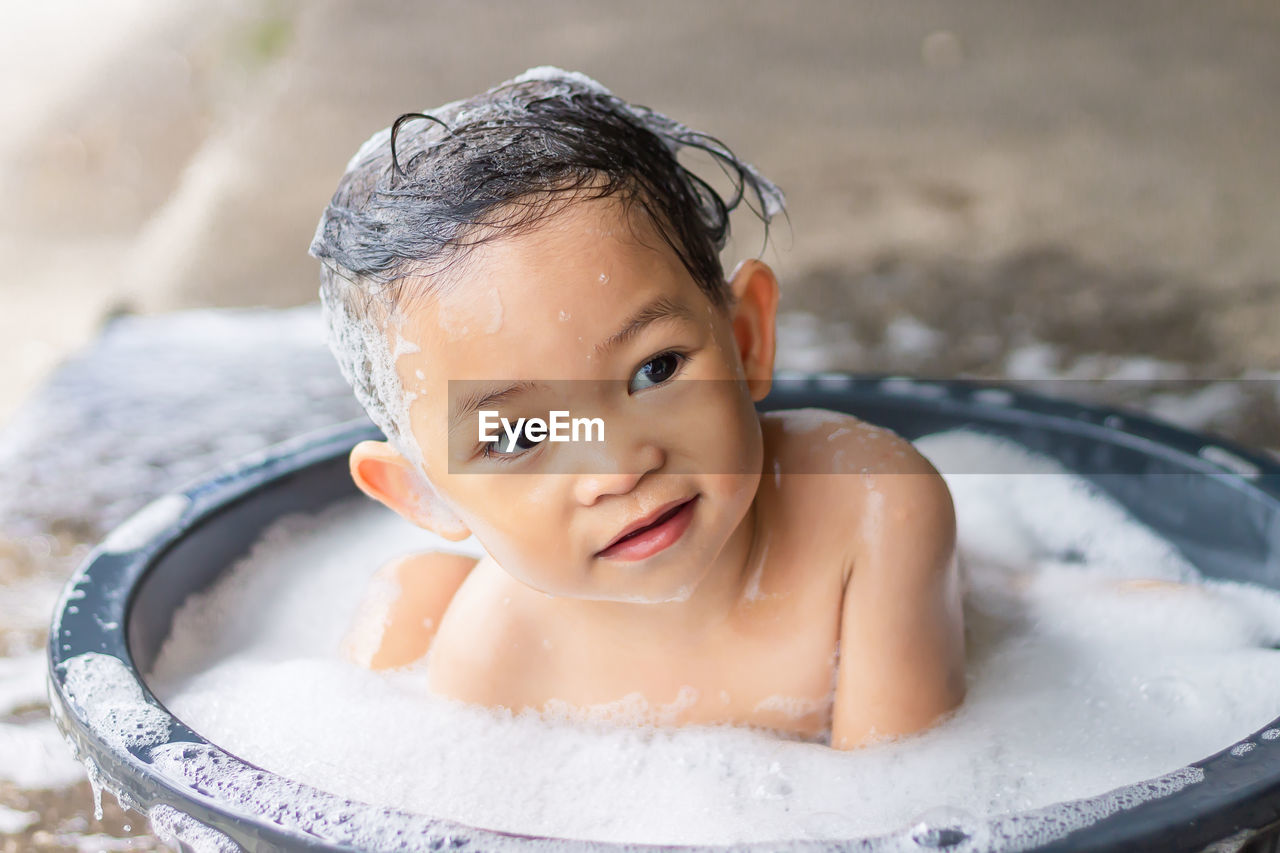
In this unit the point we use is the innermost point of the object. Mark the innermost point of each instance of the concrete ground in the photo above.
(1033, 190)
(1107, 169)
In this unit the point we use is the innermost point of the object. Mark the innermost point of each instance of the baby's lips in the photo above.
(648, 521)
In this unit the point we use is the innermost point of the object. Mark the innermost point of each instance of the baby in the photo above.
(515, 266)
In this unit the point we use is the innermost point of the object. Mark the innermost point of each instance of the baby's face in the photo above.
(579, 315)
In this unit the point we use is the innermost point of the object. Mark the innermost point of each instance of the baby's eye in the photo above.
(505, 445)
(655, 371)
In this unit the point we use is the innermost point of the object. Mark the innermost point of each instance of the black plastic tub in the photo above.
(1218, 503)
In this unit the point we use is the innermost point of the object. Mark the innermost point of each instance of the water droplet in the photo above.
(95, 783)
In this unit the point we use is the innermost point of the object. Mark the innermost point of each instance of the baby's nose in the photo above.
(615, 467)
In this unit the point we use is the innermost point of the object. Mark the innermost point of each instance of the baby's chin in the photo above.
(669, 581)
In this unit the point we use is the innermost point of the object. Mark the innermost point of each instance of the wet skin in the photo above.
(794, 571)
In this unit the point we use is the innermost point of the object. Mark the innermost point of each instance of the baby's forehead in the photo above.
(536, 219)
(539, 302)
(597, 239)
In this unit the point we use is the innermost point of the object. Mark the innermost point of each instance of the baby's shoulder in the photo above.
(868, 472)
(484, 651)
(820, 441)
(395, 621)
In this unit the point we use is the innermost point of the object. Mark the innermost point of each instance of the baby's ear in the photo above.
(755, 310)
(385, 475)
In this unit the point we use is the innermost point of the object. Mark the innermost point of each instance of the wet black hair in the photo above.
(416, 195)
(423, 191)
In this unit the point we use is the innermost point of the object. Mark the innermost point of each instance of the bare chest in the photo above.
(772, 665)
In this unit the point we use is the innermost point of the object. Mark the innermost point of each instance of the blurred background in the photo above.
(1032, 191)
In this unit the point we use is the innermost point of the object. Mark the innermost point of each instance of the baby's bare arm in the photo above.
(902, 634)
(489, 650)
(402, 608)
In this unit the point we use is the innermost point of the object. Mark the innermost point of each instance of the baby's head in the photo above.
(538, 248)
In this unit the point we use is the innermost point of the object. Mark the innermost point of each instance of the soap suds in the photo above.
(186, 833)
(367, 349)
(794, 707)
(1083, 677)
(364, 637)
(32, 754)
(482, 314)
(752, 591)
(111, 703)
(12, 821)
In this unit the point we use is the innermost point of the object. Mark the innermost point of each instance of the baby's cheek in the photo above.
(732, 491)
(530, 547)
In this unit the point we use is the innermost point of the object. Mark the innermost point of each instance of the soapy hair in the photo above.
(422, 192)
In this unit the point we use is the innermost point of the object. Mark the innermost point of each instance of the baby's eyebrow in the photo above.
(482, 397)
(661, 308)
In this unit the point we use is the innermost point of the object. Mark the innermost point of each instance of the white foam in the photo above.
(32, 754)
(1081, 684)
(101, 843)
(367, 347)
(22, 682)
(994, 396)
(800, 421)
(364, 636)
(27, 603)
(904, 335)
(182, 831)
(12, 822)
(1199, 409)
(552, 73)
(909, 387)
(110, 701)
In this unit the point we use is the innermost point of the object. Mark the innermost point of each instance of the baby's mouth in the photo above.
(651, 534)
